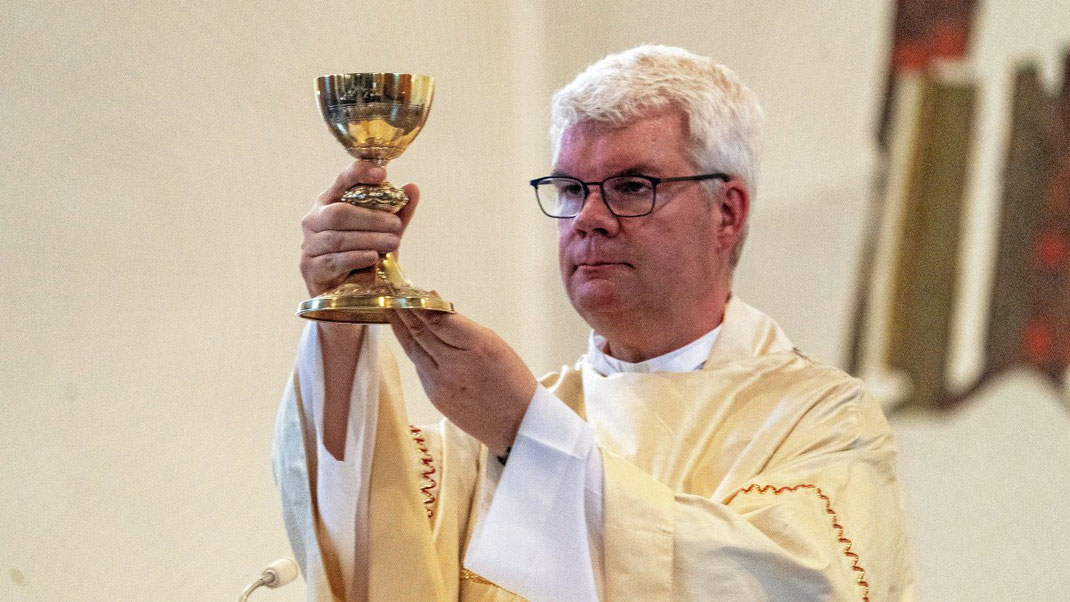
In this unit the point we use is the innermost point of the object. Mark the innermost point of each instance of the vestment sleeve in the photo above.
(360, 526)
(293, 458)
(325, 499)
(820, 522)
(541, 534)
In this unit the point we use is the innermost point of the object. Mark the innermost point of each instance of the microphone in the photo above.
(276, 574)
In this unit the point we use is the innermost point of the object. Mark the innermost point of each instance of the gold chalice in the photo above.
(375, 116)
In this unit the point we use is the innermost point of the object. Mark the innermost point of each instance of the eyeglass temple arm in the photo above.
(706, 176)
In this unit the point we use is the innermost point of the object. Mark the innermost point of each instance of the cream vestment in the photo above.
(764, 475)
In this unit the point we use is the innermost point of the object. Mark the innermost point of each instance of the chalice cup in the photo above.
(375, 116)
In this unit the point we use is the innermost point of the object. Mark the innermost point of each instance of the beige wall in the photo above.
(157, 159)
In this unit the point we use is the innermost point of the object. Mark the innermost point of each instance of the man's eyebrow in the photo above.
(639, 170)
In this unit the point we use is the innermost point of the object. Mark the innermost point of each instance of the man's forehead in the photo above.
(592, 128)
(656, 119)
(643, 144)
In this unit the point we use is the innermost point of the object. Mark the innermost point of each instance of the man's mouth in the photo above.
(600, 265)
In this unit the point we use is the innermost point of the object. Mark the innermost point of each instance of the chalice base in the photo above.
(371, 295)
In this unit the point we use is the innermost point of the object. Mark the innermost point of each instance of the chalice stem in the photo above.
(384, 197)
(387, 269)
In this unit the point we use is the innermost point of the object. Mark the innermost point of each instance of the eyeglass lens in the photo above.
(625, 195)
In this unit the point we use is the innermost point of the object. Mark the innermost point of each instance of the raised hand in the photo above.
(469, 373)
(339, 237)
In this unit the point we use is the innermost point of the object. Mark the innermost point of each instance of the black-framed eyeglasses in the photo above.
(626, 196)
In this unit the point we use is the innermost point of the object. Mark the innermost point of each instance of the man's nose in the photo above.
(595, 214)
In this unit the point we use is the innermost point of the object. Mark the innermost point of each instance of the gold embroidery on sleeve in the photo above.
(840, 537)
(467, 575)
(429, 485)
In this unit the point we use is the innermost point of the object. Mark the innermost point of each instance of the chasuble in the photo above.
(765, 475)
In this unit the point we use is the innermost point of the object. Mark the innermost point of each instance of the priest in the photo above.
(691, 453)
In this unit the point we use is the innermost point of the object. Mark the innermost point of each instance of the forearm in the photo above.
(340, 351)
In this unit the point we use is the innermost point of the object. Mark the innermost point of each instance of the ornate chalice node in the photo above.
(375, 116)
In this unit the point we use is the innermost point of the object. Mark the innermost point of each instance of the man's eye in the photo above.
(631, 186)
(570, 189)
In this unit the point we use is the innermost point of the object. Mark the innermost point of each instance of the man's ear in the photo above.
(733, 202)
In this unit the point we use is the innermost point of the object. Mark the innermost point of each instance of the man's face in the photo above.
(656, 267)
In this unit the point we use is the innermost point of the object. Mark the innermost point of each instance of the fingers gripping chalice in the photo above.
(375, 116)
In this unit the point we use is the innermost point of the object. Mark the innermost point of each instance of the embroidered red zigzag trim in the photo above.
(429, 469)
(847, 543)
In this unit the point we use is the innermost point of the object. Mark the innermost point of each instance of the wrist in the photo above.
(502, 448)
(340, 333)
(503, 458)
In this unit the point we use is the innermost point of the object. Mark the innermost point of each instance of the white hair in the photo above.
(723, 115)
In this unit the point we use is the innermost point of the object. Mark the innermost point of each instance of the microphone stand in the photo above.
(249, 588)
(277, 574)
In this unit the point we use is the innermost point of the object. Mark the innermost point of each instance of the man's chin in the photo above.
(596, 297)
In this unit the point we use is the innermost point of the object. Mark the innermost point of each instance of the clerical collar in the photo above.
(688, 358)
